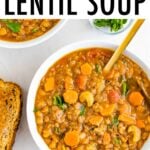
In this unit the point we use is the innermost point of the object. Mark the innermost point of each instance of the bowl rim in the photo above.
(35, 41)
(49, 62)
(106, 30)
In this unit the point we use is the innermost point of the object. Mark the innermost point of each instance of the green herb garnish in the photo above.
(117, 141)
(13, 26)
(125, 88)
(114, 24)
(35, 109)
(57, 130)
(97, 68)
(59, 101)
(82, 110)
(35, 30)
(114, 122)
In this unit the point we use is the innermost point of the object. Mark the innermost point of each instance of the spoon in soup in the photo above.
(145, 90)
(123, 46)
(137, 82)
(121, 49)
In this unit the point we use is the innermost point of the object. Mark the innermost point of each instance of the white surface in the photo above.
(21, 64)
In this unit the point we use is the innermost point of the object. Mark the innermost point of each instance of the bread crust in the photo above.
(11, 106)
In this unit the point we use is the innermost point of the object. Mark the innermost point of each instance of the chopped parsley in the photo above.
(59, 101)
(114, 24)
(82, 110)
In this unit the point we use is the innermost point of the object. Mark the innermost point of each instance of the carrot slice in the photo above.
(136, 98)
(81, 81)
(86, 69)
(140, 123)
(95, 120)
(107, 109)
(72, 138)
(70, 96)
(49, 84)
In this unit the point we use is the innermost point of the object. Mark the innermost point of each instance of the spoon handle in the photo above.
(123, 46)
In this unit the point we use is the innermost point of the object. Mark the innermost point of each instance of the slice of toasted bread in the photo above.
(10, 112)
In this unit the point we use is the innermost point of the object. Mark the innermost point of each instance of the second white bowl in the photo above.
(36, 41)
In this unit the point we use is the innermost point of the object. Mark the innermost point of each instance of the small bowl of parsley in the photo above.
(111, 26)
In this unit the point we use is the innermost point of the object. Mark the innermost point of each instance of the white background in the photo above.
(20, 65)
(80, 6)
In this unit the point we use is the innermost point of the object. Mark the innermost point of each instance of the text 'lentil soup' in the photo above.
(76, 107)
(18, 30)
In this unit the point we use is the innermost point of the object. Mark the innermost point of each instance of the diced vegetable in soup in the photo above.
(77, 108)
(23, 29)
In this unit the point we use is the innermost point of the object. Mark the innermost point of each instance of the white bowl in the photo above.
(43, 70)
(36, 41)
(107, 29)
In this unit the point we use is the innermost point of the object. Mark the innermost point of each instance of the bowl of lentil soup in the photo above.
(20, 33)
(70, 104)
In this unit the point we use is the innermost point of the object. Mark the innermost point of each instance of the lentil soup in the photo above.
(24, 29)
(76, 107)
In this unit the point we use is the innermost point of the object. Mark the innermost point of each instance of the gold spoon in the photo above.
(121, 49)
(123, 46)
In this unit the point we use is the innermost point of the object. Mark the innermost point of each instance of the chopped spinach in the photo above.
(13, 26)
(57, 130)
(114, 24)
(114, 122)
(117, 141)
(59, 101)
(35, 109)
(82, 110)
(97, 68)
(125, 88)
(35, 30)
